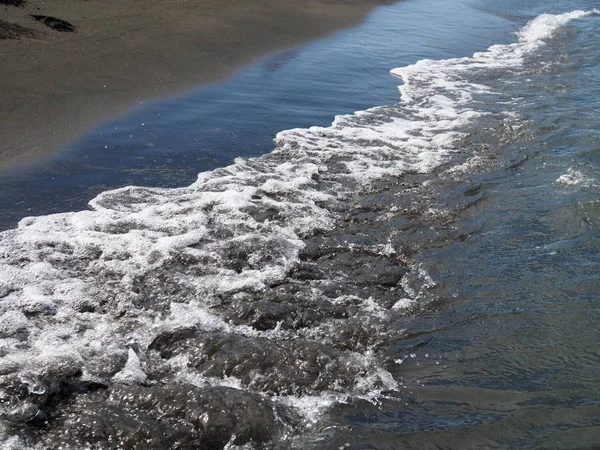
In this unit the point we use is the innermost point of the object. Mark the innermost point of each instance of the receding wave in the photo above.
(200, 315)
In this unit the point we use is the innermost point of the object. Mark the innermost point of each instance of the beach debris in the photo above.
(12, 2)
(54, 23)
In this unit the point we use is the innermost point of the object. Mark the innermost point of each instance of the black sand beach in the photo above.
(66, 65)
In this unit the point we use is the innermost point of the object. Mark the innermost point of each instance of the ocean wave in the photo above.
(161, 295)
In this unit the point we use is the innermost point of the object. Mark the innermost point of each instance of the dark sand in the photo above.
(56, 83)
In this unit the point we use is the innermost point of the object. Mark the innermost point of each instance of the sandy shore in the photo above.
(56, 83)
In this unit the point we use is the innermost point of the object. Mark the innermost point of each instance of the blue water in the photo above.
(168, 142)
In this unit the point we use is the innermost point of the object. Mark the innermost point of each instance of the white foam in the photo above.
(575, 178)
(11, 443)
(403, 303)
(311, 408)
(133, 372)
(546, 25)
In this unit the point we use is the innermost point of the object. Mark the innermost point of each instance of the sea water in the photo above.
(167, 143)
(418, 275)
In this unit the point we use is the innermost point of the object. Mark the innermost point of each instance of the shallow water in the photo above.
(167, 143)
(421, 275)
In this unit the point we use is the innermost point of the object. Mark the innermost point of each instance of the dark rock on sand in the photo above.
(54, 23)
(291, 306)
(13, 31)
(168, 417)
(12, 2)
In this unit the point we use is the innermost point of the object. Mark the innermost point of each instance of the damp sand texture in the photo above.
(57, 81)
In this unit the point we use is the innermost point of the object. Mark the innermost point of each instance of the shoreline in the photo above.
(58, 83)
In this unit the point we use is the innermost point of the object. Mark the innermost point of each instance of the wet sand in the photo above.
(67, 65)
